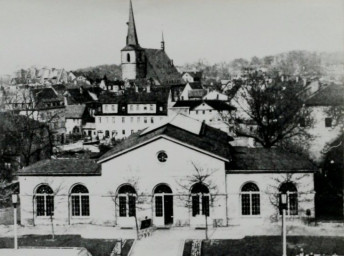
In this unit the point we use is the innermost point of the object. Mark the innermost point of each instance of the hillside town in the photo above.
(196, 149)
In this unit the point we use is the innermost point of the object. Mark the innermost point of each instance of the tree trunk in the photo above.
(137, 226)
(52, 228)
(206, 226)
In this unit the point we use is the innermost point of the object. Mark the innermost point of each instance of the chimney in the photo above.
(136, 88)
(162, 42)
(148, 88)
(81, 90)
(297, 79)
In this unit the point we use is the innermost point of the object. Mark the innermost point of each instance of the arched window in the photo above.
(44, 201)
(80, 201)
(127, 201)
(250, 199)
(162, 188)
(292, 201)
(128, 57)
(200, 199)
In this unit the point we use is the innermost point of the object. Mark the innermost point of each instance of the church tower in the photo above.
(133, 61)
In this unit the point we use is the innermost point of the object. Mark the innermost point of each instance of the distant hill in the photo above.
(112, 72)
(290, 63)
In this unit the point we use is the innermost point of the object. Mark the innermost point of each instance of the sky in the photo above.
(75, 34)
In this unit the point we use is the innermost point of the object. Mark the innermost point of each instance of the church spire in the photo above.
(132, 36)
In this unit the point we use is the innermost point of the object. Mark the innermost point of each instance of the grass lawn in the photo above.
(269, 245)
(97, 247)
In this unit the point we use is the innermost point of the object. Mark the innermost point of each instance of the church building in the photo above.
(146, 64)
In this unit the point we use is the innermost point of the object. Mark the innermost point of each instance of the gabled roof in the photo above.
(78, 96)
(132, 97)
(160, 66)
(207, 140)
(75, 111)
(62, 167)
(195, 85)
(331, 95)
(219, 105)
(195, 74)
(197, 93)
(44, 95)
(267, 160)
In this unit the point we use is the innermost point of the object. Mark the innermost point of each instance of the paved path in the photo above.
(160, 243)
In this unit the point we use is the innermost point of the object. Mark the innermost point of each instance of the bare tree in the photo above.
(30, 127)
(199, 186)
(274, 110)
(288, 183)
(132, 197)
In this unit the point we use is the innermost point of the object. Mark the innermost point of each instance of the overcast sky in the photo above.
(80, 33)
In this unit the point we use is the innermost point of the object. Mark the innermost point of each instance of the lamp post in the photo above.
(284, 228)
(14, 201)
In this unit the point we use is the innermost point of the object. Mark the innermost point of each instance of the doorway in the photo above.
(163, 205)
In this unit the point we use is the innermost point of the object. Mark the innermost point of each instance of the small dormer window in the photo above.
(162, 156)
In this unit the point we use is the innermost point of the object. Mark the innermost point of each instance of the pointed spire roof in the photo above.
(132, 36)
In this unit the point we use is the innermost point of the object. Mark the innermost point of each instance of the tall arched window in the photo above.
(127, 201)
(44, 201)
(200, 199)
(292, 201)
(250, 199)
(128, 57)
(80, 201)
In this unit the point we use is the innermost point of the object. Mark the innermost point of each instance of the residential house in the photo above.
(193, 91)
(122, 115)
(326, 107)
(192, 76)
(83, 95)
(215, 113)
(76, 117)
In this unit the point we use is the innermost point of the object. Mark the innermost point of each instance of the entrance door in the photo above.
(163, 206)
(168, 209)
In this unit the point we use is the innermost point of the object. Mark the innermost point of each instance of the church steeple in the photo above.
(132, 36)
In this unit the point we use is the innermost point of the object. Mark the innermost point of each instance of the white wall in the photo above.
(322, 135)
(185, 93)
(141, 166)
(71, 123)
(129, 70)
(110, 108)
(211, 116)
(188, 78)
(268, 184)
(126, 123)
(141, 108)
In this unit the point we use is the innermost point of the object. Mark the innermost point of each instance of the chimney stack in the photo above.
(162, 42)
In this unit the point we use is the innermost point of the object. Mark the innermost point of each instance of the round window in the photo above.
(162, 156)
